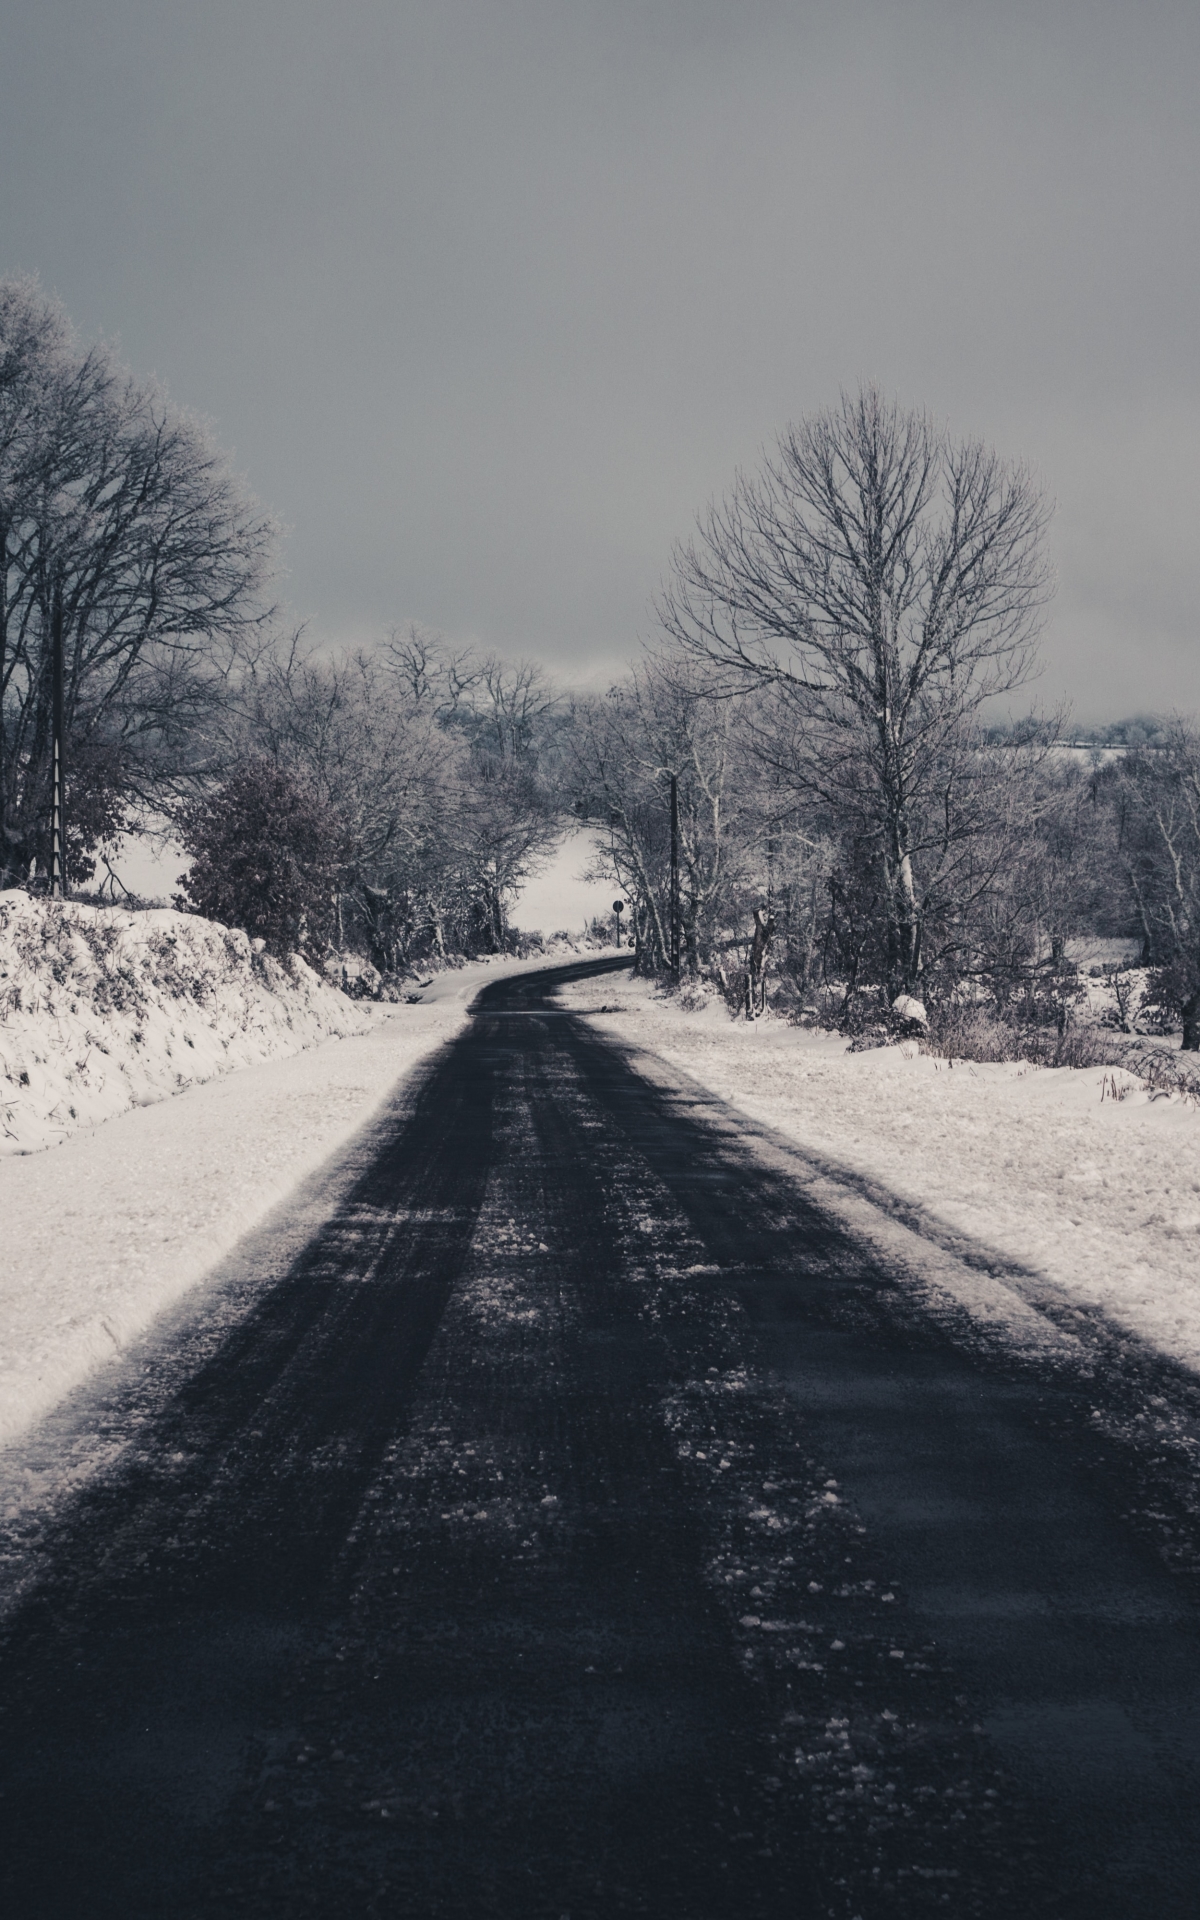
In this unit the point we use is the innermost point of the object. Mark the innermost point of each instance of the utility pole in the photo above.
(58, 854)
(675, 875)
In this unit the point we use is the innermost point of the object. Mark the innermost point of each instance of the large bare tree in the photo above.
(883, 581)
(116, 508)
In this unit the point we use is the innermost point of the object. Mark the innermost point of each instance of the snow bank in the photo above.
(1080, 1176)
(106, 1233)
(102, 1010)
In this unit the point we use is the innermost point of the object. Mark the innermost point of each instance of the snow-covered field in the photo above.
(1043, 1168)
(113, 1226)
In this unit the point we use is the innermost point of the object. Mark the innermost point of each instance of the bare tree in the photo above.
(802, 859)
(117, 507)
(505, 708)
(884, 582)
(503, 719)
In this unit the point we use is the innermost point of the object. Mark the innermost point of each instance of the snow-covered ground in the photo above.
(102, 1010)
(1079, 1176)
(114, 1226)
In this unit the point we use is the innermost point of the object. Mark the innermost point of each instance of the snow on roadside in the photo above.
(1042, 1166)
(102, 1235)
(102, 1009)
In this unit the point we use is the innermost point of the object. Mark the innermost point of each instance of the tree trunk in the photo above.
(1191, 1024)
(764, 928)
(908, 921)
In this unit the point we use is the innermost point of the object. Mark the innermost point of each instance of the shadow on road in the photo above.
(585, 1525)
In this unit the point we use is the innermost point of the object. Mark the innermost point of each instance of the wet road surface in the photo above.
(583, 1525)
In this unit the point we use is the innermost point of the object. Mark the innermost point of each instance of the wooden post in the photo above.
(675, 875)
(58, 847)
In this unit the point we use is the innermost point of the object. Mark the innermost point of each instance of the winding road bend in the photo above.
(583, 1525)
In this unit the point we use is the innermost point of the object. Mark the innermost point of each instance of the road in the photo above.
(583, 1525)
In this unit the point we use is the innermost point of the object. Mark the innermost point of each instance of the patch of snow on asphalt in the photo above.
(1040, 1166)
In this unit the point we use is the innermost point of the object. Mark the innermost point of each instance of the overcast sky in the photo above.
(489, 296)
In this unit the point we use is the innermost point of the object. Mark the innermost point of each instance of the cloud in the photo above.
(490, 300)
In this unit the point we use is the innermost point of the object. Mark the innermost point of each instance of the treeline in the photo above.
(1026, 853)
(854, 830)
(388, 803)
(851, 821)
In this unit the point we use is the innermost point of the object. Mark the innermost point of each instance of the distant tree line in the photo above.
(853, 829)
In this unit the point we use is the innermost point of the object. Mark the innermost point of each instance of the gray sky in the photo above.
(488, 296)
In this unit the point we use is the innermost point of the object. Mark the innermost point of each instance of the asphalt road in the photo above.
(583, 1526)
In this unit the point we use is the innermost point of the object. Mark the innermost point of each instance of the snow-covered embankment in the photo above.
(102, 1010)
(109, 1015)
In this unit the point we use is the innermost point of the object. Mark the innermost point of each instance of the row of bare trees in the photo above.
(1153, 795)
(829, 639)
(832, 644)
(1057, 848)
(432, 769)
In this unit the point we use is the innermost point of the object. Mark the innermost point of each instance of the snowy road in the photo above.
(586, 1525)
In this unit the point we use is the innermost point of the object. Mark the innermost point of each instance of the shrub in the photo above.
(969, 1030)
(1172, 998)
(265, 857)
(1163, 1072)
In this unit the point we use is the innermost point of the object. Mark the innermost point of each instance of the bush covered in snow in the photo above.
(102, 1009)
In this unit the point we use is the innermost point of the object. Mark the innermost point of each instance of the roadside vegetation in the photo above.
(811, 790)
(860, 843)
